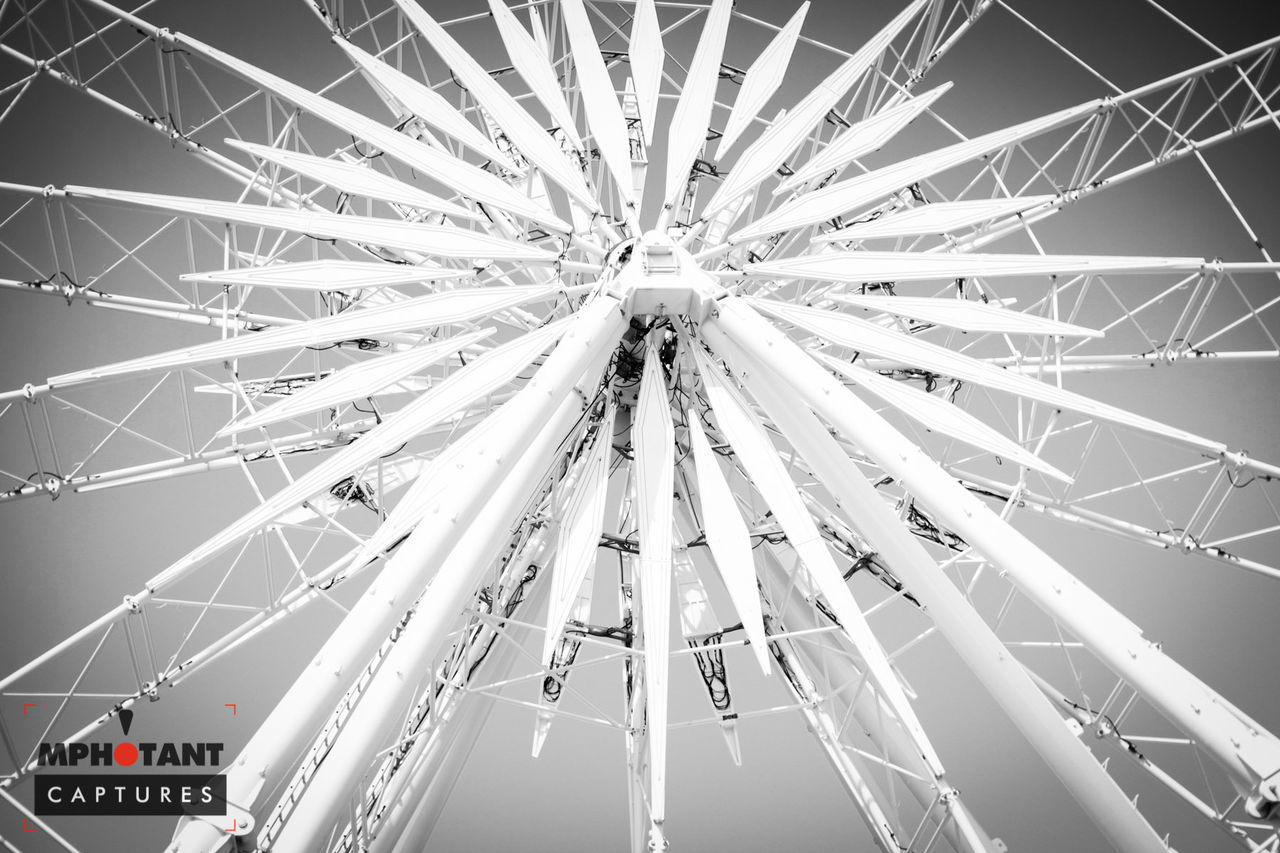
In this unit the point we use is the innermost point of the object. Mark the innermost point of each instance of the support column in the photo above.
(431, 768)
(797, 614)
(866, 510)
(597, 331)
(1250, 755)
(262, 765)
(861, 788)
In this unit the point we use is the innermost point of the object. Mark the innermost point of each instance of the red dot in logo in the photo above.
(125, 754)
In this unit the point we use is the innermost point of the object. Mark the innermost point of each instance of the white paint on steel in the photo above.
(647, 58)
(867, 266)
(862, 138)
(653, 438)
(762, 157)
(533, 141)
(578, 534)
(729, 540)
(599, 99)
(329, 274)
(803, 430)
(441, 241)
(688, 132)
(473, 382)
(908, 349)
(548, 398)
(935, 413)
(941, 217)
(761, 81)
(864, 190)
(758, 457)
(355, 180)
(425, 103)
(964, 314)
(738, 326)
(423, 312)
(365, 379)
(531, 61)
(461, 176)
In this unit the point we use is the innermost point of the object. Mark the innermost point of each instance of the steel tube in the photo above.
(481, 507)
(1004, 678)
(269, 754)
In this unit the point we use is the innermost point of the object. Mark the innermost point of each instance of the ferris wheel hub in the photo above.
(660, 277)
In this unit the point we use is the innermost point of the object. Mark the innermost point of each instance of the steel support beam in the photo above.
(480, 509)
(737, 326)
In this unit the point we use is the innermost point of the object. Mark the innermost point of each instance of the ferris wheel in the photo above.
(643, 368)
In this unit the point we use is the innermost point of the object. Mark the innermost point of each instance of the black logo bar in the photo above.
(136, 794)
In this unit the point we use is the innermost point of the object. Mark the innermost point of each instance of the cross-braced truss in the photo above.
(503, 393)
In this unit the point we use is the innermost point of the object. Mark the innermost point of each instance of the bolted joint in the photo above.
(243, 823)
(1235, 460)
(1263, 802)
(1263, 807)
(660, 277)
